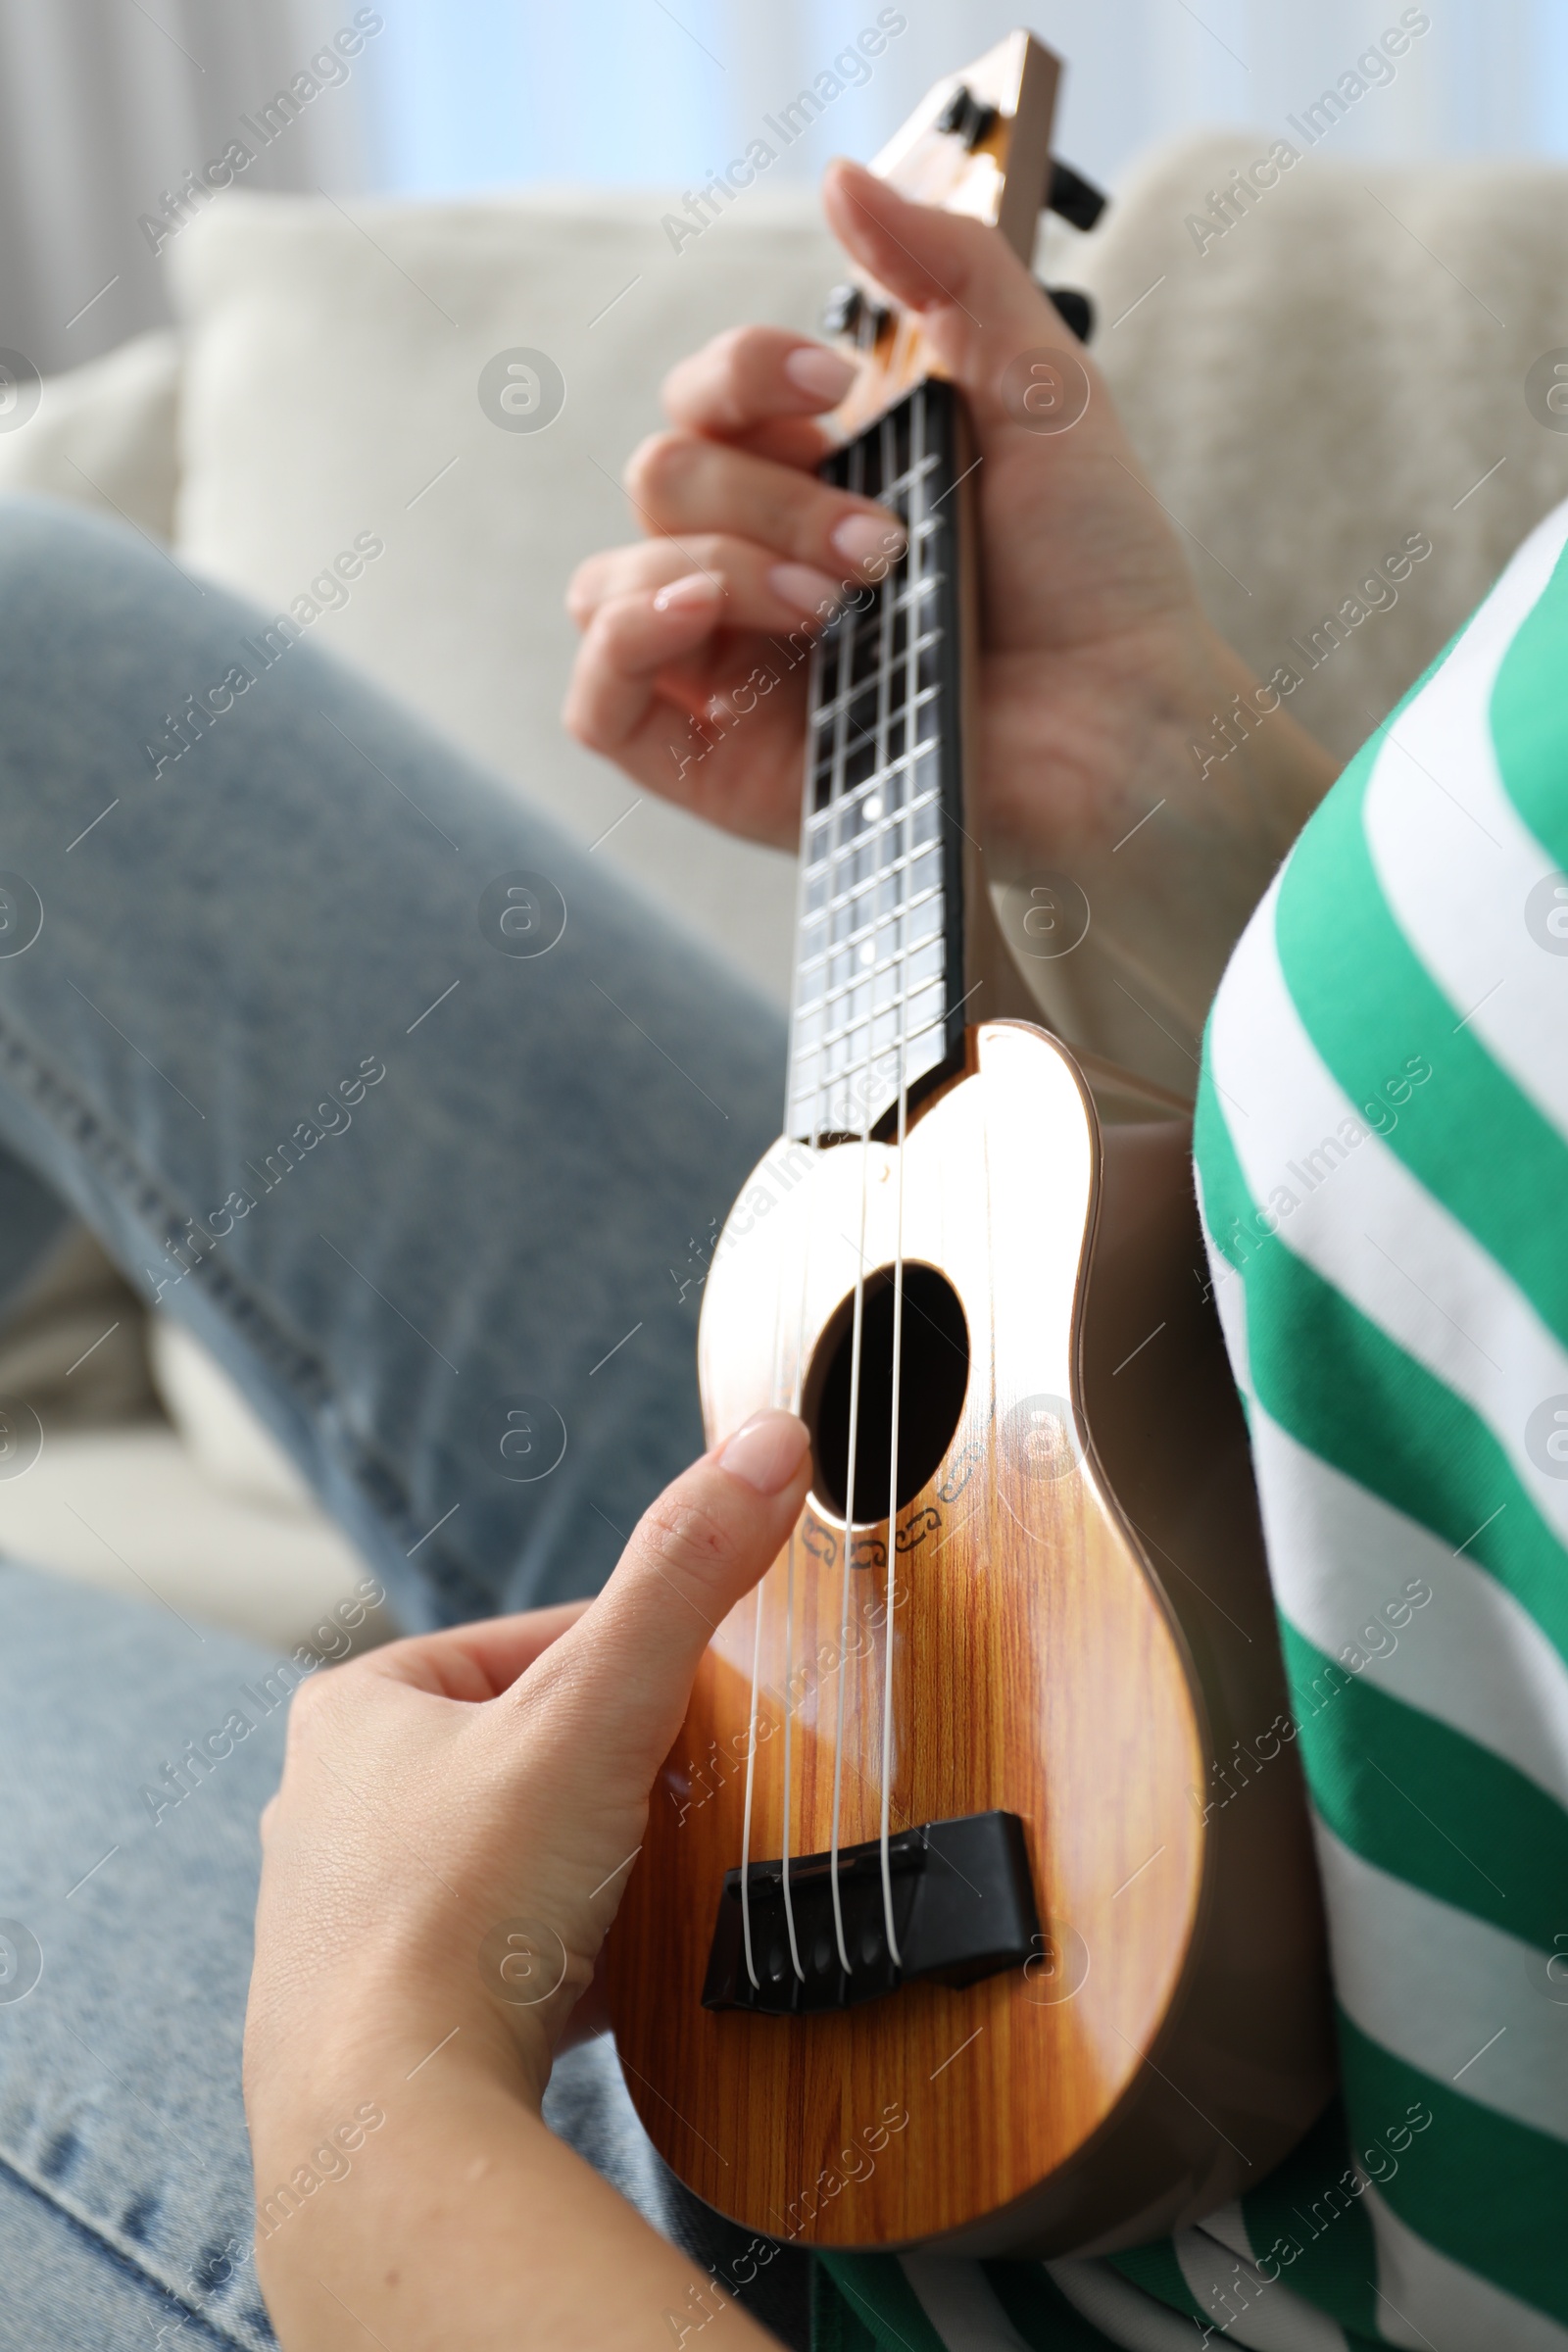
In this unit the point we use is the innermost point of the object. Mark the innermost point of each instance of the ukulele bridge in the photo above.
(964, 1908)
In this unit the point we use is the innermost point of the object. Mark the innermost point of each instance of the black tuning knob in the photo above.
(841, 313)
(1076, 310)
(847, 311)
(967, 117)
(1073, 197)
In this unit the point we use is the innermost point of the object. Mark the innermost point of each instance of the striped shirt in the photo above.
(1381, 1152)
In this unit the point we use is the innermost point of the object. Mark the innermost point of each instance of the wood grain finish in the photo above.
(1040, 1665)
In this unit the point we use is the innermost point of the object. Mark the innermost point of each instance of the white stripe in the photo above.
(1366, 1225)
(1455, 860)
(1122, 2311)
(1434, 2304)
(1434, 1986)
(1472, 1655)
(960, 2304)
(1243, 2307)
(1228, 2223)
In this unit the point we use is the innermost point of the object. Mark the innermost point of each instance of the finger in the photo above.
(760, 592)
(751, 376)
(475, 1662)
(680, 483)
(793, 441)
(626, 1669)
(630, 644)
(671, 727)
(979, 305)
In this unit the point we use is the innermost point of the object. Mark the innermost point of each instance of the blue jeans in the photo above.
(302, 1039)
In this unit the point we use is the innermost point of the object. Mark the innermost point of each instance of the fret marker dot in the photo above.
(874, 808)
(867, 953)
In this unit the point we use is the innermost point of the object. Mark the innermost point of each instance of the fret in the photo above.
(880, 909)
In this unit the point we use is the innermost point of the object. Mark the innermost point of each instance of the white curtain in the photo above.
(105, 104)
(654, 91)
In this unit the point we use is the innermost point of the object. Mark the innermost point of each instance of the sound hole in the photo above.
(934, 1373)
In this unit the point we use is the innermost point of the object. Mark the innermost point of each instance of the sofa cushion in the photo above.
(103, 435)
(332, 390)
(128, 1510)
(1343, 367)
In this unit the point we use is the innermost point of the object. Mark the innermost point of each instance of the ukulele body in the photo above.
(1082, 1638)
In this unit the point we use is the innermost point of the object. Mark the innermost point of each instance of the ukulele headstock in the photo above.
(978, 144)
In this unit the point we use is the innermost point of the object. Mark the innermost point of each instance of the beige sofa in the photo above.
(1340, 372)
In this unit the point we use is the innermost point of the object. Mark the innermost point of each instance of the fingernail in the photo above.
(806, 590)
(766, 1451)
(826, 375)
(862, 539)
(693, 588)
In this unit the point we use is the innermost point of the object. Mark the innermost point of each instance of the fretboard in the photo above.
(878, 1000)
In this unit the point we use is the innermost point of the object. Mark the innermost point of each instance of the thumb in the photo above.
(978, 305)
(629, 1662)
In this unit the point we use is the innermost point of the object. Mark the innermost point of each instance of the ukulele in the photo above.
(977, 1904)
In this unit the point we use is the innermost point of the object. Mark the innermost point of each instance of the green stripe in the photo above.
(875, 2298)
(835, 2325)
(1467, 1134)
(1426, 1804)
(1528, 728)
(1040, 2311)
(1341, 1389)
(1486, 2192)
(1324, 2251)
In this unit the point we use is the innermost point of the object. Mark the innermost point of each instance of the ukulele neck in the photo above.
(879, 994)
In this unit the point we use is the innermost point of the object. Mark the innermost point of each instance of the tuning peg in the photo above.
(1076, 310)
(1073, 197)
(968, 115)
(841, 312)
(847, 311)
